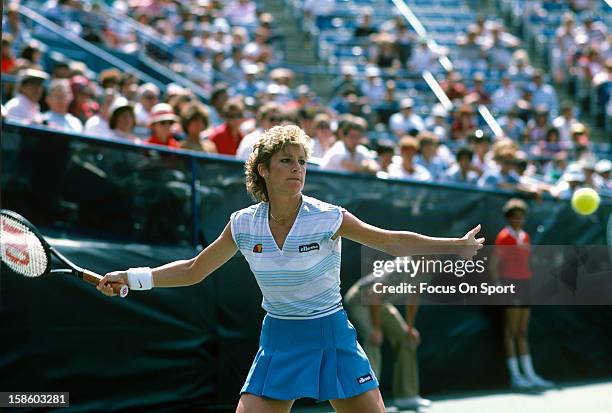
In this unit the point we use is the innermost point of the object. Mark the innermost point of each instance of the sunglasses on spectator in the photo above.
(275, 119)
(323, 126)
(234, 115)
(149, 97)
(165, 122)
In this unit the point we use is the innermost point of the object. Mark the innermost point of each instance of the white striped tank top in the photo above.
(301, 281)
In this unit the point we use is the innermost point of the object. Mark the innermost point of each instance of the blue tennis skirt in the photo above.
(319, 359)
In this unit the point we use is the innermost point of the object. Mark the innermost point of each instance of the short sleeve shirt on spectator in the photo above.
(494, 178)
(338, 153)
(513, 250)
(171, 142)
(223, 139)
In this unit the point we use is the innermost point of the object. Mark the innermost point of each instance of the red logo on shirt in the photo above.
(258, 248)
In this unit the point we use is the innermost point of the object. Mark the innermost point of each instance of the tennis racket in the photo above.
(25, 251)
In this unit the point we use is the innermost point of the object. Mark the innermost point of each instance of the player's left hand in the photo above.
(470, 244)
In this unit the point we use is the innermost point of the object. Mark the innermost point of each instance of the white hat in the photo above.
(349, 70)
(372, 71)
(27, 74)
(603, 166)
(573, 173)
(406, 103)
(439, 111)
(162, 112)
(119, 103)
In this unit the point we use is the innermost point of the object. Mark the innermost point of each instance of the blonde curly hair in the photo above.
(271, 141)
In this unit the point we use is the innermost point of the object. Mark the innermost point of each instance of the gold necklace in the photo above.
(282, 220)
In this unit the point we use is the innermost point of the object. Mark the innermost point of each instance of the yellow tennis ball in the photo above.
(585, 201)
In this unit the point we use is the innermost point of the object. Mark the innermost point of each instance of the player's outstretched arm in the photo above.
(403, 243)
(182, 272)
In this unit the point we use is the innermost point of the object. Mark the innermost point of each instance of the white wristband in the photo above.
(140, 278)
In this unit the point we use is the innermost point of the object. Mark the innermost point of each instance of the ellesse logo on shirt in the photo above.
(258, 248)
(364, 379)
(309, 247)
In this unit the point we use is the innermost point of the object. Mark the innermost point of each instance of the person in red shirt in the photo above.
(510, 266)
(227, 136)
(162, 119)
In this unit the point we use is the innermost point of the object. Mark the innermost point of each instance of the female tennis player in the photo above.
(291, 241)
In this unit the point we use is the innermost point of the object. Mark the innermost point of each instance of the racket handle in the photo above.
(91, 277)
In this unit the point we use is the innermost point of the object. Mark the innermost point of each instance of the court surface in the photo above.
(570, 398)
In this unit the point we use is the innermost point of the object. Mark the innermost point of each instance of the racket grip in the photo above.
(91, 277)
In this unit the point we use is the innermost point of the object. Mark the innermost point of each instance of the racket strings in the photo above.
(21, 249)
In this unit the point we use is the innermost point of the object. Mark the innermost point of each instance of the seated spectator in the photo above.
(24, 106)
(513, 126)
(385, 150)
(464, 124)
(422, 58)
(437, 123)
(580, 135)
(389, 105)
(241, 12)
(520, 71)
(564, 122)
(233, 66)
(61, 70)
(572, 179)
(565, 44)
(58, 99)
(346, 81)
(194, 120)
(110, 79)
(551, 143)
(323, 138)
(462, 171)
(505, 98)
(596, 32)
(408, 169)
(480, 143)
(227, 136)
(428, 156)
(478, 94)
(384, 53)
(347, 154)
(148, 96)
(33, 53)
(555, 169)
(499, 47)
(258, 50)
(544, 94)
(603, 169)
(128, 86)
(98, 123)
(122, 120)
(538, 126)
(162, 119)
(471, 51)
(82, 106)
(364, 27)
(504, 176)
(373, 88)
(591, 178)
(453, 85)
(269, 115)
(250, 85)
(218, 98)
(406, 121)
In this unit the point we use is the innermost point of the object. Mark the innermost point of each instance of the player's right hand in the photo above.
(115, 277)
